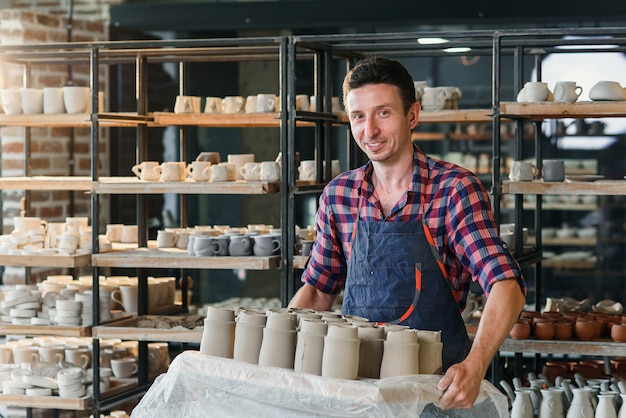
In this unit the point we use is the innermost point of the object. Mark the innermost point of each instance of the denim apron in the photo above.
(395, 275)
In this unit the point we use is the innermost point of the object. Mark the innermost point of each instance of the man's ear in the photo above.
(413, 115)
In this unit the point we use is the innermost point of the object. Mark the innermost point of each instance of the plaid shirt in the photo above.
(458, 213)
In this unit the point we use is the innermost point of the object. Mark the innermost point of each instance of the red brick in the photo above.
(48, 212)
(13, 147)
(39, 163)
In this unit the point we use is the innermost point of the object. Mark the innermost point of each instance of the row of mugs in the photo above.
(206, 171)
(260, 103)
(49, 100)
(553, 171)
(569, 91)
(437, 98)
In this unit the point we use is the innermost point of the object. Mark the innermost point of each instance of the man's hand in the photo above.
(460, 385)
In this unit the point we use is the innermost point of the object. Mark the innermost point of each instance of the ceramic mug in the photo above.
(199, 170)
(187, 104)
(251, 104)
(307, 170)
(11, 101)
(233, 104)
(434, 98)
(567, 91)
(166, 239)
(124, 367)
(302, 102)
(76, 99)
(53, 100)
(522, 171)
(251, 171)
(553, 170)
(536, 91)
(146, 170)
(218, 173)
(213, 105)
(266, 103)
(270, 171)
(32, 101)
(239, 160)
(172, 171)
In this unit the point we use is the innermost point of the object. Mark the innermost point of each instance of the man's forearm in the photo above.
(310, 297)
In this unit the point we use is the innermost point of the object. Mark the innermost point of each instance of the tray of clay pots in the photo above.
(593, 333)
(183, 328)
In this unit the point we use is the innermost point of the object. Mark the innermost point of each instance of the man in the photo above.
(405, 233)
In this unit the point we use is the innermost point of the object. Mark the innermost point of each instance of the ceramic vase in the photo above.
(606, 406)
(551, 403)
(581, 406)
(522, 405)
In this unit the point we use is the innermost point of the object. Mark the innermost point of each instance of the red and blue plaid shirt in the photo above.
(458, 214)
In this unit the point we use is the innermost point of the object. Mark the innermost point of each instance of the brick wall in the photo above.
(50, 146)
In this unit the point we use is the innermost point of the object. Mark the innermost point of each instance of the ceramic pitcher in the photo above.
(606, 406)
(551, 403)
(522, 405)
(581, 406)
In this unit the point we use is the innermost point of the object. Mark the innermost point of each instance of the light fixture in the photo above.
(585, 142)
(431, 41)
(607, 46)
(458, 49)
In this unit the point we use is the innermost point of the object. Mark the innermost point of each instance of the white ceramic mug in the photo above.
(218, 173)
(307, 170)
(231, 170)
(251, 171)
(213, 105)
(166, 239)
(536, 91)
(522, 171)
(32, 101)
(53, 102)
(124, 367)
(434, 98)
(172, 171)
(239, 160)
(199, 170)
(270, 171)
(265, 103)
(233, 104)
(146, 171)
(76, 99)
(187, 104)
(11, 101)
(251, 104)
(567, 91)
(302, 102)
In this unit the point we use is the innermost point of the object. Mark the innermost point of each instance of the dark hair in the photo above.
(381, 70)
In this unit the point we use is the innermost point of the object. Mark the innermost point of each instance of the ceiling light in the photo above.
(457, 49)
(431, 41)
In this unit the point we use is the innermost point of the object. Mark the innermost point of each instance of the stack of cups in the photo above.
(70, 383)
(430, 352)
(218, 337)
(86, 300)
(310, 346)
(341, 352)
(249, 336)
(68, 313)
(279, 340)
(105, 303)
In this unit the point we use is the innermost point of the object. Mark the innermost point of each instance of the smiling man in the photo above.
(405, 234)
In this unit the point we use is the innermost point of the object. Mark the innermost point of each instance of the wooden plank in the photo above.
(36, 260)
(569, 264)
(300, 262)
(76, 120)
(45, 330)
(456, 116)
(428, 136)
(132, 185)
(47, 402)
(556, 206)
(598, 187)
(128, 329)
(219, 120)
(177, 258)
(551, 110)
(46, 183)
(603, 347)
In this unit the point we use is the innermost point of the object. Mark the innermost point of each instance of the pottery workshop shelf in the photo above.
(38, 260)
(75, 120)
(594, 348)
(153, 328)
(219, 120)
(550, 110)
(132, 185)
(9, 329)
(456, 116)
(46, 183)
(176, 258)
(598, 187)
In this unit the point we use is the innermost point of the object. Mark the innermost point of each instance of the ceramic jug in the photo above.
(622, 410)
(567, 91)
(522, 405)
(551, 403)
(581, 406)
(606, 406)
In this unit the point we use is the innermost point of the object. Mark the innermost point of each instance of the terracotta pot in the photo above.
(563, 330)
(544, 330)
(618, 333)
(520, 330)
(584, 330)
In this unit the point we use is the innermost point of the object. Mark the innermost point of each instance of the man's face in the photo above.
(379, 124)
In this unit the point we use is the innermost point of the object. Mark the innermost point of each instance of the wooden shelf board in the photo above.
(455, 116)
(176, 258)
(127, 329)
(36, 260)
(46, 183)
(551, 110)
(428, 136)
(132, 185)
(556, 206)
(300, 261)
(219, 120)
(575, 241)
(572, 264)
(45, 330)
(75, 120)
(47, 402)
(598, 187)
(604, 347)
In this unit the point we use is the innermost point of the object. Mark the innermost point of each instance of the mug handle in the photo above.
(276, 243)
(217, 247)
(114, 296)
(578, 90)
(137, 169)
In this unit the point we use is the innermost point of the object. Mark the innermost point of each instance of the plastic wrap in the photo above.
(197, 385)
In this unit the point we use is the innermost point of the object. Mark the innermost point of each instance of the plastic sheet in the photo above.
(197, 385)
